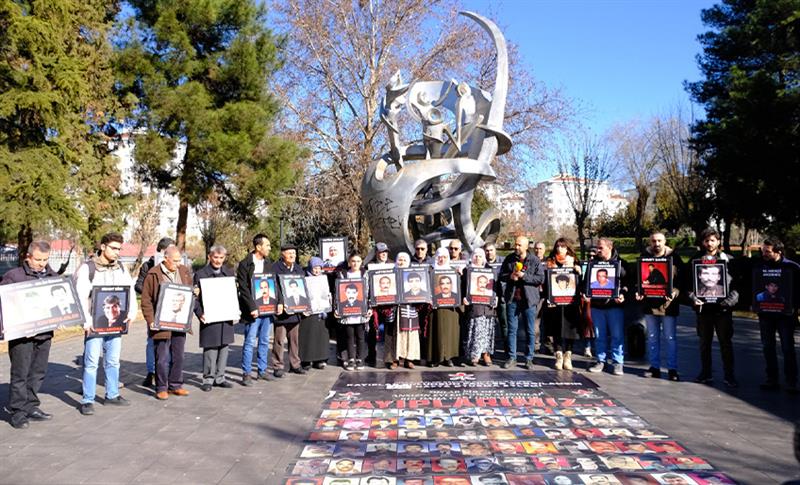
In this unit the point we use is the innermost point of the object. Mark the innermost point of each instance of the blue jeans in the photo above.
(609, 320)
(259, 329)
(657, 324)
(110, 347)
(150, 356)
(514, 309)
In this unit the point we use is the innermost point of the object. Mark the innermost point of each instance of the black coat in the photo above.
(532, 278)
(280, 268)
(25, 273)
(244, 285)
(212, 334)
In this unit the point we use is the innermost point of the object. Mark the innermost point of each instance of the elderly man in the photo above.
(168, 345)
(103, 269)
(256, 327)
(420, 255)
(287, 326)
(214, 337)
(29, 355)
(521, 275)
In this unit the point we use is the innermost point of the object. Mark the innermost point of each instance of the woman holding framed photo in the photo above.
(481, 321)
(352, 329)
(562, 322)
(443, 337)
(313, 337)
(401, 326)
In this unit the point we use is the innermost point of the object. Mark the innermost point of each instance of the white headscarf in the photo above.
(397, 258)
(441, 252)
(478, 252)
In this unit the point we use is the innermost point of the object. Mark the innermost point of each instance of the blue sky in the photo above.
(621, 59)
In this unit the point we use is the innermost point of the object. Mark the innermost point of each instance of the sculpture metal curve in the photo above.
(410, 202)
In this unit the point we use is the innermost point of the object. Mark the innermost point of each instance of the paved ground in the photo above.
(250, 435)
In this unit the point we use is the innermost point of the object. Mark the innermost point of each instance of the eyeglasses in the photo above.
(454, 249)
(420, 249)
(115, 248)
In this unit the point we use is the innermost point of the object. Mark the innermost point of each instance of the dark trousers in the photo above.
(290, 332)
(372, 344)
(169, 376)
(784, 326)
(28, 367)
(356, 345)
(722, 323)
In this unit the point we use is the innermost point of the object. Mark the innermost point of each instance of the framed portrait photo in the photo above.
(562, 286)
(655, 277)
(319, 294)
(383, 287)
(480, 286)
(446, 288)
(110, 310)
(265, 293)
(351, 298)
(333, 251)
(38, 306)
(294, 294)
(603, 279)
(459, 264)
(710, 280)
(415, 285)
(220, 299)
(174, 308)
(772, 290)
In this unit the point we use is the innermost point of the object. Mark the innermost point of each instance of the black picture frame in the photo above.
(609, 288)
(113, 301)
(31, 307)
(382, 293)
(440, 299)
(261, 283)
(349, 304)
(413, 291)
(174, 308)
(654, 277)
(326, 247)
(706, 271)
(294, 300)
(772, 290)
(562, 295)
(481, 294)
(319, 294)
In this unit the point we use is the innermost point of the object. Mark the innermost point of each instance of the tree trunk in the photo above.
(24, 239)
(579, 223)
(180, 229)
(641, 205)
(745, 247)
(726, 237)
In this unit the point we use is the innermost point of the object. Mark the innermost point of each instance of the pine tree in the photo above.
(195, 75)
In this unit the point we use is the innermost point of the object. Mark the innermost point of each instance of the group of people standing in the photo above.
(410, 333)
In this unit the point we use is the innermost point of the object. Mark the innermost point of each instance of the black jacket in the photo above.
(531, 281)
(244, 285)
(280, 268)
(660, 306)
(25, 273)
(623, 283)
(146, 266)
(727, 304)
(212, 334)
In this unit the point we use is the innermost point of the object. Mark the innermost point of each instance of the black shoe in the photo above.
(507, 364)
(224, 385)
(149, 380)
(117, 401)
(529, 365)
(295, 370)
(770, 386)
(279, 373)
(205, 388)
(672, 375)
(320, 365)
(458, 363)
(704, 379)
(87, 409)
(247, 381)
(731, 382)
(653, 372)
(39, 415)
(447, 363)
(20, 421)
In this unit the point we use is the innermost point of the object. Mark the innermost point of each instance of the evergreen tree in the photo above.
(750, 140)
(55, 86)
(195, 76)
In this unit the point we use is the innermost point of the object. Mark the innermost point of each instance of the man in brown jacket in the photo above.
(169, 376)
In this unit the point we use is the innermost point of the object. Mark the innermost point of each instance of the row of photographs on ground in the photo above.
(501, 478)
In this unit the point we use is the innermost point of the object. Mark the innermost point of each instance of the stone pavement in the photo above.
(251, 435)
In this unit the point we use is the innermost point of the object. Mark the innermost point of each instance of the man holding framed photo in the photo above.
(287, 325)
(168, 344)
(103, 270)
(29, 355)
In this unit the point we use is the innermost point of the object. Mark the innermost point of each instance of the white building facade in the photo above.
(548, 205)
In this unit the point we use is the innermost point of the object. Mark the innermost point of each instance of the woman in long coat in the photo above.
(314, 338)
(481, 321)
(443, 336)
(564, 322)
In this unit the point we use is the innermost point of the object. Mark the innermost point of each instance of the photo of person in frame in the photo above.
(265, 291)
(651, 275)
(444, 287)
(175, 307)
(481, 285)
(562, 284)
(351, 298)
(295, 293)
(112, 309)
(602, 279)
(533, 479)
(415, 285)
(304, 481)
(333, 251)
(64, 303)
(415, 481)
(709, 281)
(771, 292)
(377, 480)
(385, 284)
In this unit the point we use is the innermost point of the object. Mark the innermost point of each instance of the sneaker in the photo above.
(618, 370)
(731, 382)
(117, 401)
(597, 367)
(559, 360)
(350, 365)
(319, 365)
(653, 372)
(567, 360)
(20, 421)
(672, 375)
(224, 385)
(149, 380)
(507, 364)
(770, 386)
(529, 365)
(704, 379)
(587, 352)
(205, 388)
(247, 381)
(360, 365)
(87, 408)
(279, 373)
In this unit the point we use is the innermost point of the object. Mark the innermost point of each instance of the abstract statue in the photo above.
(411, 191)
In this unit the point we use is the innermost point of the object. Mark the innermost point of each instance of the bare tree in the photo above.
(584, 164)
(343, 56)
(144, 218)
(634, 150)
